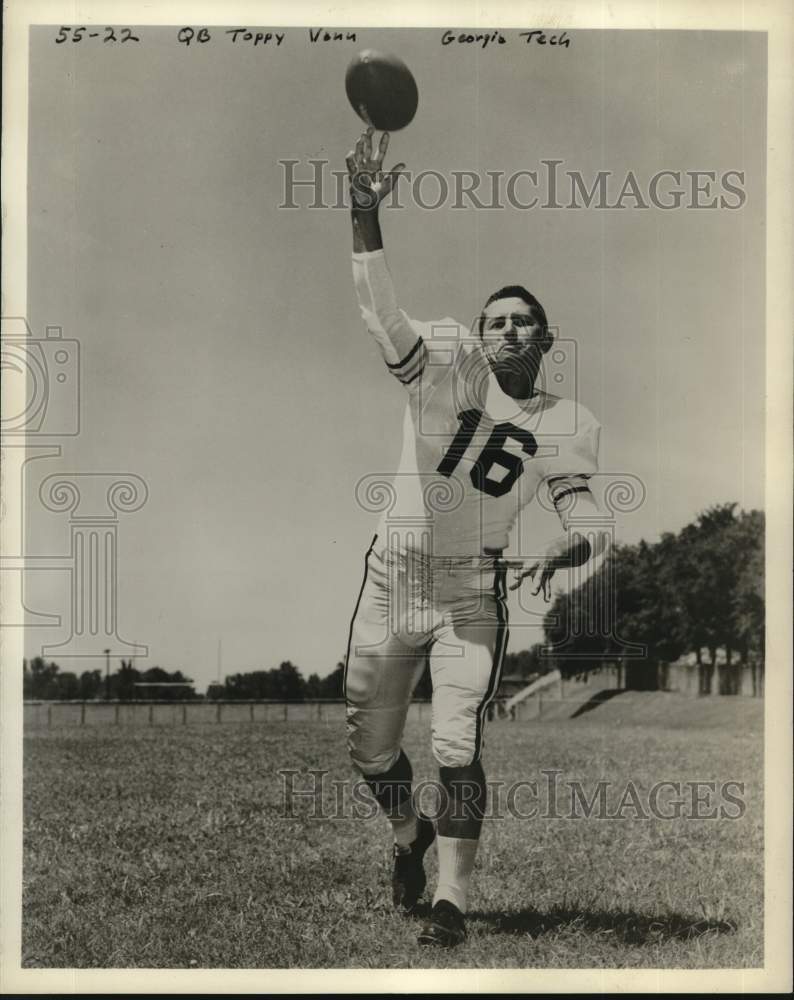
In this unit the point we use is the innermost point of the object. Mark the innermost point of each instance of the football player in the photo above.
(479, 439)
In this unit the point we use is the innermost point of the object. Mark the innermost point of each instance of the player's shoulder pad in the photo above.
(444, 338)
(559, 411)
(584, 417)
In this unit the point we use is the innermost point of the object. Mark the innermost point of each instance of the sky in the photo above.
(223, 359)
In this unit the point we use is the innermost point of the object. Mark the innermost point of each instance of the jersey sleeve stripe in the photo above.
(561, 494)
(572, 481)
(579, 476)
(407, 381)
(408, 356)
(413, 369)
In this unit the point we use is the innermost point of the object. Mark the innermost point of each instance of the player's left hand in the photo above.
(544, 570)
(541, 569)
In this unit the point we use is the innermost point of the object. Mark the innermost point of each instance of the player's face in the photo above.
(511, 336)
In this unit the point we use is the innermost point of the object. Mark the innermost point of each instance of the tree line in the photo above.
(44, 681)
(47, 682)
(283, 683)
(699, 591)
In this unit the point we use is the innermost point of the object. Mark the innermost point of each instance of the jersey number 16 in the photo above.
(493, 454)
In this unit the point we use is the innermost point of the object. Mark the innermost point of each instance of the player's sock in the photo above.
(459, 830)
(455, 865)
(392, 789)
(405, 827)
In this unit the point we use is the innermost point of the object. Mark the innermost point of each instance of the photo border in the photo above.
(776, 18)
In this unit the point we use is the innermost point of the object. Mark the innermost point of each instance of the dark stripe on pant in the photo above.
(502, 634)
(355, 612)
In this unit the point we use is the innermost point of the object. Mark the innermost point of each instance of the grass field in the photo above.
(164, 847)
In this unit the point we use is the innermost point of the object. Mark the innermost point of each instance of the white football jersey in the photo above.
(472, 457)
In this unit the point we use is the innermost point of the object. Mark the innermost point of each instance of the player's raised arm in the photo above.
(369, 186)
(399, 341)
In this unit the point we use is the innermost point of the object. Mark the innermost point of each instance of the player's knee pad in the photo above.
(450, 752)
(373, 746)
(372, 763)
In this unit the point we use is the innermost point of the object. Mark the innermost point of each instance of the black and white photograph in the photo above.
(396, 522)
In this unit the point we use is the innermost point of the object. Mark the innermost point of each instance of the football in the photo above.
(382, 90)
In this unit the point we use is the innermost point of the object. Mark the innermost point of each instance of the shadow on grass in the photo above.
(626, 926)
(597, 699)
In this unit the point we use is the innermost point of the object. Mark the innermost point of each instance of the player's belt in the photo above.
(416, 558)
(451, 562)
(461, 562)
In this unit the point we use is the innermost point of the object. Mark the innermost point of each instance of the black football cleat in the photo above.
(408, 875)
(445, 927)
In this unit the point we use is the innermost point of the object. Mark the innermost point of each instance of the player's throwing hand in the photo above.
(369, 185)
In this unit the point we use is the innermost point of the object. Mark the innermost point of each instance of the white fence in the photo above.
(48, 714)
(677, 677)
